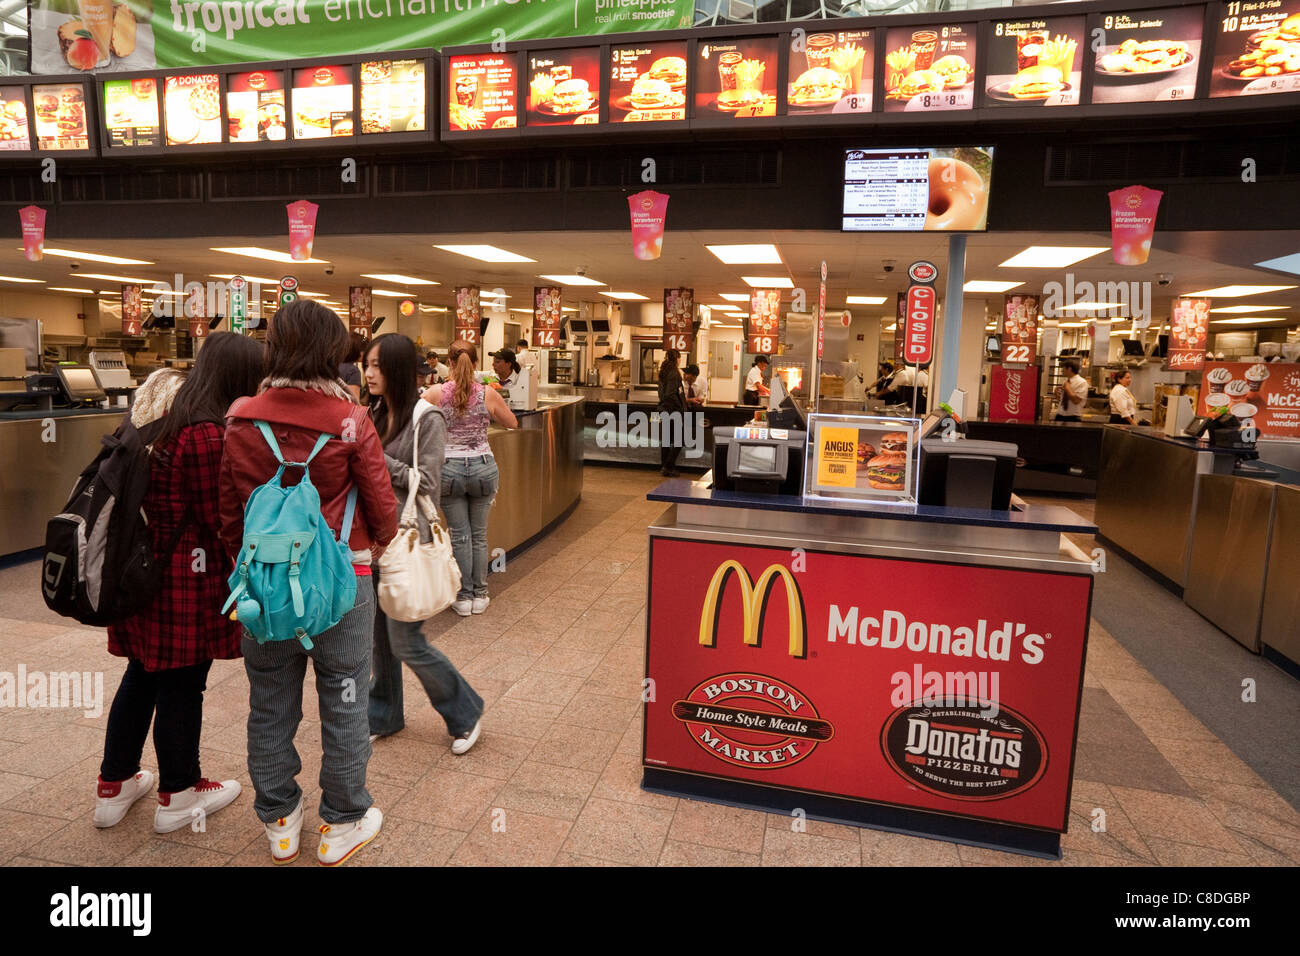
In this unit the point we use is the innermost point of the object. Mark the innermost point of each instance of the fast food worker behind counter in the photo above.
(754, 386)
(506, 366)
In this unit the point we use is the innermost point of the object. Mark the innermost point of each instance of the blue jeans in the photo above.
(276, 670)
(468, 487)
(449, 692)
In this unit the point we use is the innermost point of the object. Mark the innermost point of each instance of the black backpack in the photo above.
(99, 565)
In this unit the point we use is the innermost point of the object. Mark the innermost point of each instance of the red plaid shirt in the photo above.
(184, 625)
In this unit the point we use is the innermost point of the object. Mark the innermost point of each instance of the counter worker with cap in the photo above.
(506, 366)
(1072, 395)
(754, 387)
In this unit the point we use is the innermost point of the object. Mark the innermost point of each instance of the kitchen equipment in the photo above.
(1179, 412)
(111, 367)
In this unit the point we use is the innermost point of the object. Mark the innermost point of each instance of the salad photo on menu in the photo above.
(1035, 62)
(831, 73)
(647, 82)
(736, 79)
(564, 87)
(1257, 49)
(930, 69)
(1146, 56)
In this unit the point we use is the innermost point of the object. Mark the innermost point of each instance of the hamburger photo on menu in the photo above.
(563, 88)
(831, 73)
(883, 461)
(647, 82)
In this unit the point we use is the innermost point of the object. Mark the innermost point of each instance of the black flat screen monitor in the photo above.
(579, 325)
(1133, 347)
(80, 383)
(600, 325)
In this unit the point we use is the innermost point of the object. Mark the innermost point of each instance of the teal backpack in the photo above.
(293, 579)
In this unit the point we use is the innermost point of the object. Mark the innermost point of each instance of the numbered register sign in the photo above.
(862, 458)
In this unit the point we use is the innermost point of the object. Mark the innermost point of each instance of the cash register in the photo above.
(764, 458)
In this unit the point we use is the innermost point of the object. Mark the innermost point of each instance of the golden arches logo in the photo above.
(753, 599)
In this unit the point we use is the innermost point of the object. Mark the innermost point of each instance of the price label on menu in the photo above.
(956, 100)
(930, 68)
(890, 189)
(1258, 48)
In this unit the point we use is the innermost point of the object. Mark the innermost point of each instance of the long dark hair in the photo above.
(229, 366)
(306, 342)
(399, 363)
(668, 367)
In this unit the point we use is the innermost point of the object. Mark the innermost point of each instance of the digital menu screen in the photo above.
(322, 102)
(482, 91)
(564, 87)
(1257, 49)
(647, 82)
(930, 68)
(914, 190)
(1035, 61)
(131, 112)
(255, 111)
(392, 96)
(1147, 55)
(737, 78)
(831, 73)
(192, 108)
(14, 134)
(60, 110)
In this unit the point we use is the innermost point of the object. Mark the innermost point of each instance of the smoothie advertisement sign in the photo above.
(103, 35)
(841, 674)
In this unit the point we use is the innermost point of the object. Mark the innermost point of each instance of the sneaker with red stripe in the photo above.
(191, 807)
(114, 799)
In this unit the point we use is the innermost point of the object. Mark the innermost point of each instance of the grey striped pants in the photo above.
(276, 669)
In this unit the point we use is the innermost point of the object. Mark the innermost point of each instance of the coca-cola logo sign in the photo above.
(1013, 393)
(960, 753)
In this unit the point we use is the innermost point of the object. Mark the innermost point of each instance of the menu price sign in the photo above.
(392, 96)
(192, 108)
(929, 69)
(14, 133)
(861, 456)
(679, 317)
(482, 92)
(322, 102)
(255, 110)
(468, 313)
(1263, 396)
(132, 310)
(1020, 329)
(1189, 330)
(737, 79)
(196, 311)
(60, 116)
(1036, 61)
(131, 112)
(764, 321)
(1146, 56)
(908, 190)
(564, 87)
(1257, 49)
(647, 82)
(831, 73)
(548, 314)
(361, 312)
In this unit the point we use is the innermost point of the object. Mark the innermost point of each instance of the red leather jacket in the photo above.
(297, 418)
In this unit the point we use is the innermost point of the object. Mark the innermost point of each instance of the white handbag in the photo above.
(417, 580)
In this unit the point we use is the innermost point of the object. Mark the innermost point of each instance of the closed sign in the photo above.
(919, 342)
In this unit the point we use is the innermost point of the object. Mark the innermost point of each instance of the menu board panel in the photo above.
(1019, 329)
(831, 73)
(392, 96)
(322, 102)
(647, 82)
(131, 112)
(762, 333)
(1189, 334)
(1035, 61)
(1257, 49)
(679, 318)
(14, 134)
(930, 68)
(737, 78)
(908, 190)
(192, 108)
(255, 110)
(564, 87)
(482, 91)
(60, 116)
(1147, 55)
(547, 316)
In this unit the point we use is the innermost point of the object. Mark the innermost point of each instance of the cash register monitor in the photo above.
(783, 409)
(967, 474)
(80, 383)
(759, 460)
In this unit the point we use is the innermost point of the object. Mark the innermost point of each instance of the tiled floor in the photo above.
(555, 778)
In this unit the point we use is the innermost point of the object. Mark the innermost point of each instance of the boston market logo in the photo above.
(957, 753)
(752, 720)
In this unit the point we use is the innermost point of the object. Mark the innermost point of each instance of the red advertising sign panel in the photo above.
(1255, 51)
(1266, 396)
(918, 346)
(1132, 223)
(361, 309)
(649, 212)
(931, 68)
(737, 79)
(302, 228)
(899, 324)
(468, 313)
(840, 674)
(481, 92)
(1020, 329)
(548, 315)
(679, 319)
(1189, 331)
(647, 82)
(1013, 394)
(564, 87)
(196, 310)
(132, 311)
(764, 321)
(32, 220)
(821, 313)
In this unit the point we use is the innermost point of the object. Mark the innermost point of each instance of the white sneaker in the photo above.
(463, 608)
(339, 841)
(112, 800)
(465, 741)
(179, 810)
(284, 834)
(481, 604)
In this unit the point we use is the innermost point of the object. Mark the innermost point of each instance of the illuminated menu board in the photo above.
(131, 112)
(60, 110)
(255, 111)
(1146, 55)
(14, 134)
(1257, 49)
(322, 102)
(564, 87)
(392, 96)
(737, 78)
(647, 82)
(1036, 61)
(482, 91)
(908, 190)
(930, 69)
(192, 108)
(831, 73)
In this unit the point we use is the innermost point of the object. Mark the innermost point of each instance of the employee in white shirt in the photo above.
(1123, 406)
(506, 366)
(754, 387)
(696, 390)
(1072, 396)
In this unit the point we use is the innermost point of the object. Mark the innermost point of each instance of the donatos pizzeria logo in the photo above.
(747, 719)
(957, 752)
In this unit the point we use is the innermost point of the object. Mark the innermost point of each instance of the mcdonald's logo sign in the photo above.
(754, 596)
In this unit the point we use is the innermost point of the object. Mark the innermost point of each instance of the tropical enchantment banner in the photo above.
(107, 36)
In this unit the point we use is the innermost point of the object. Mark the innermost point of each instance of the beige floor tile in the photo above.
(31, 861)
(520, 718)
(160, 852)
(564, 858)
(1169, 853)
(1268, 849)
(54, 751)
(1160, 816)
(633, 741)
(676, 853)
(1173, 726)
(512, 838)
(613, 714)
(400, 842)
(982, 856)
(832, 831)
(881, 848)
(547, 790)
(543, 688)
(622, 781)
(568, 660)
(622, 832)
(1247, 808)
(448, 799)
(12, 784)
(569, 746)
(82, 844)
(25, 834)
(497, 665)
(711, 824)
(1109, 833)
(524, 645)
(1210, 759)
(402, 759)
(619, 680)
(594, 639)
(784, 848)
(496, 755)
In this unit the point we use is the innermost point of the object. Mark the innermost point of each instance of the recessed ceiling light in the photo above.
(571, 280)
(865, 300)
(111, 278)
(1235, 291)
(398, 278)
(567, 308)
(627, 296)
(767, 282)
(17, 279)
(1073, 325)
(62, 288)
(270, 255)
(1253, 320)
(1250, 308)
(262, 280)
(746, 254)
(989, 285)
(734, 296)
(1051, 257)
(432, 308)
(96, 257)
(484, 253)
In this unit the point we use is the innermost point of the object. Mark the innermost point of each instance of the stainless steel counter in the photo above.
(1279, 628)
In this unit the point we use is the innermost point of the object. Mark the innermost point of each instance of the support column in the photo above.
(952, 318)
